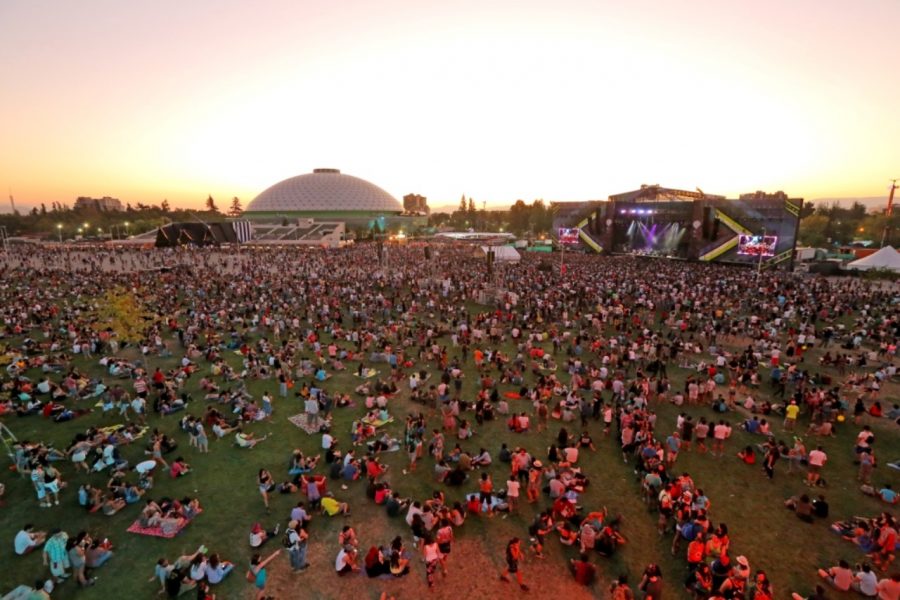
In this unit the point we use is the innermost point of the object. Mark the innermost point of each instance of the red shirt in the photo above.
(584, 572)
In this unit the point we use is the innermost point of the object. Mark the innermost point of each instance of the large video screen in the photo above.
(757, 245)
(568, 235)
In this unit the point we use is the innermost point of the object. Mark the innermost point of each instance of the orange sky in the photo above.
(501, 100)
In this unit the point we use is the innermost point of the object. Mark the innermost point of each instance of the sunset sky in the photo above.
(564, 100)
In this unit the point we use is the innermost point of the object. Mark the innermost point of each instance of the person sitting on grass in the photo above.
(98, 552)
(747, 455)
(332, 507)
(801, 506)
(346, 561)
(246, 440)
(111, 505)
(179, 468)
(840, 577)
(221, 428)
(217, 569)
(887, 494)
(583, 570)
(164, 568)
(259, 536)
(28, 540)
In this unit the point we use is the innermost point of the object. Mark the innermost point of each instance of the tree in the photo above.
(236, 210)
(541, 217)
(519, 217)
(43, 208)
(471, 209)
(123, 312)
(211, 205)
(462, 204)
(438, 219)
(165, 206)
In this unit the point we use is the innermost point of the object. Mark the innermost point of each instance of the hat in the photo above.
(257, 528)
(537, 464)
(48, 586)
(742, 560)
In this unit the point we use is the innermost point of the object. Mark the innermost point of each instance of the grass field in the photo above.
(772, 537)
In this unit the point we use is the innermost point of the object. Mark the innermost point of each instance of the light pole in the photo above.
(126, 228)
(759, 263)
(59, 231)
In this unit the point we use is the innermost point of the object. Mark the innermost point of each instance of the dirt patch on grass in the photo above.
(473, 571)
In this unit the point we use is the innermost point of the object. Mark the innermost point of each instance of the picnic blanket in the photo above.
(512, 395)
(300, 421)
(110, 429)
(377, 422)
(157, 531)
(367, 373)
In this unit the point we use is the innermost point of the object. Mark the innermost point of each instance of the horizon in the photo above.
(517, 100)
(871, 203)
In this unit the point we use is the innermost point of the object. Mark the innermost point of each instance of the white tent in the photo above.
(886, 258)
(502, 253)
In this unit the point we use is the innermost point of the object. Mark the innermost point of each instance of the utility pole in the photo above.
(889, 213)
(759, 264)
(562, 255)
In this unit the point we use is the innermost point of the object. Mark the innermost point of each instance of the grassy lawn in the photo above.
(225, 480)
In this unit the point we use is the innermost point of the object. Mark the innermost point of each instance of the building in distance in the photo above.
(101, 204)
(415, 204)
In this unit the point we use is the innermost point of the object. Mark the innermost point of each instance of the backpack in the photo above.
(286, 539)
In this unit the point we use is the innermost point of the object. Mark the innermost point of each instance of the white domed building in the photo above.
(324, 207)
(324, 193)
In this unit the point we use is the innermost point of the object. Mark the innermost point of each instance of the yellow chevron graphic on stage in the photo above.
(586, 238)
(779, 258)
(732, 224)
(722, 249)
(589, 241)
(792, 208)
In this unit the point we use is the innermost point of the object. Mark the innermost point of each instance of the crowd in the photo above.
(596, 351)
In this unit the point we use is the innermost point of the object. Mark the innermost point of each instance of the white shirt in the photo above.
(512, 488)
(867, 582)
(23, 542)
(340, 561)
(327, 440)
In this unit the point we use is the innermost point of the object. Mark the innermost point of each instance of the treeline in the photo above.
(521, 218)
(65, 222)
(830, 225)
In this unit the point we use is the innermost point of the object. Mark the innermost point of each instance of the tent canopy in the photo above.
(886, 258)
(501, 253)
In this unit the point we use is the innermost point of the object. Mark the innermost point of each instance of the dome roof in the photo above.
(324, 190)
